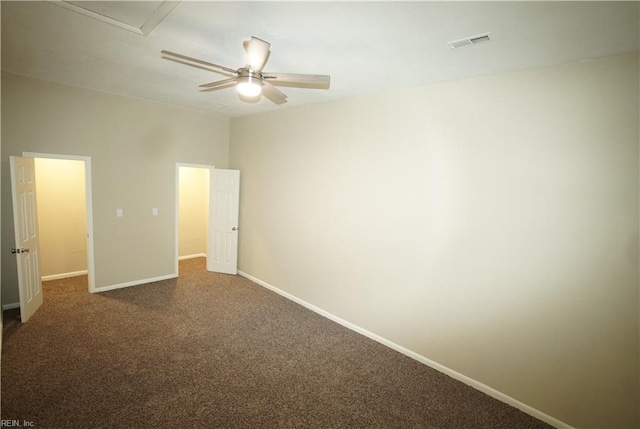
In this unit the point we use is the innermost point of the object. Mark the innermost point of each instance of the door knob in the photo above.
(235, 228)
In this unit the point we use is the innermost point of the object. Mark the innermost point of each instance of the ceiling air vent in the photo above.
(468, 41)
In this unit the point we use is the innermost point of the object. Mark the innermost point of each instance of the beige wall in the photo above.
(134, 146)
(193, 211)
(62, 220)
(490, 225)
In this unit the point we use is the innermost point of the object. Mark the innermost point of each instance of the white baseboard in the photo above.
(197, 255)
(10, 306)
(64, 275)
(448, 371)
(134, 283)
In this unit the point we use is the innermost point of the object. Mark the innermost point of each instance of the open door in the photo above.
(25, 220)
(223, 233)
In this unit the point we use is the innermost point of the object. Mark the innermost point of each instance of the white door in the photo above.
(25, 221)
(223, 235)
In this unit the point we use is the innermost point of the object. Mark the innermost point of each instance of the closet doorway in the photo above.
(192, 226)
(65, 219)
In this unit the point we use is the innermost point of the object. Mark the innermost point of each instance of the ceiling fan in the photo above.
(250, 80)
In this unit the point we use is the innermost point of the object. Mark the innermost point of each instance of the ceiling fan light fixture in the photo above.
(249, 86)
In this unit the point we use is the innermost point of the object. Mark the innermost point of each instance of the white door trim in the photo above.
(211, 169)
(89, 209)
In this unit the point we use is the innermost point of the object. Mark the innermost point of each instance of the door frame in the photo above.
(176, 235)
(88, 202)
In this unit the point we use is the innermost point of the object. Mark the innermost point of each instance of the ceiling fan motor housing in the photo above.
(250, 73)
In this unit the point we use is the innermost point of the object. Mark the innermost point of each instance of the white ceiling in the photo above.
(366, 47)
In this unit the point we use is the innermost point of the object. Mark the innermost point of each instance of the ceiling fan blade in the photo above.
(175, 60)
(273, 93)
(220, 84)
(195, 60)
(313, 81)
(257, 53)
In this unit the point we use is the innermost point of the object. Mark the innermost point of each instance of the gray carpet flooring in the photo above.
(211, 350)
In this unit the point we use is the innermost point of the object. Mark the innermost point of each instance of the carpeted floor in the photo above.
(211, 350)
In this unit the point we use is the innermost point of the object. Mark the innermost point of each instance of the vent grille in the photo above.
(468, 41)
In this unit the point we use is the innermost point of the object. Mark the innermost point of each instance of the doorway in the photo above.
(65, 218)
(192, 211)
(60, 195)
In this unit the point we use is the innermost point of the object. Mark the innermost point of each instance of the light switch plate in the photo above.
(154, 211)
(118, 212)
